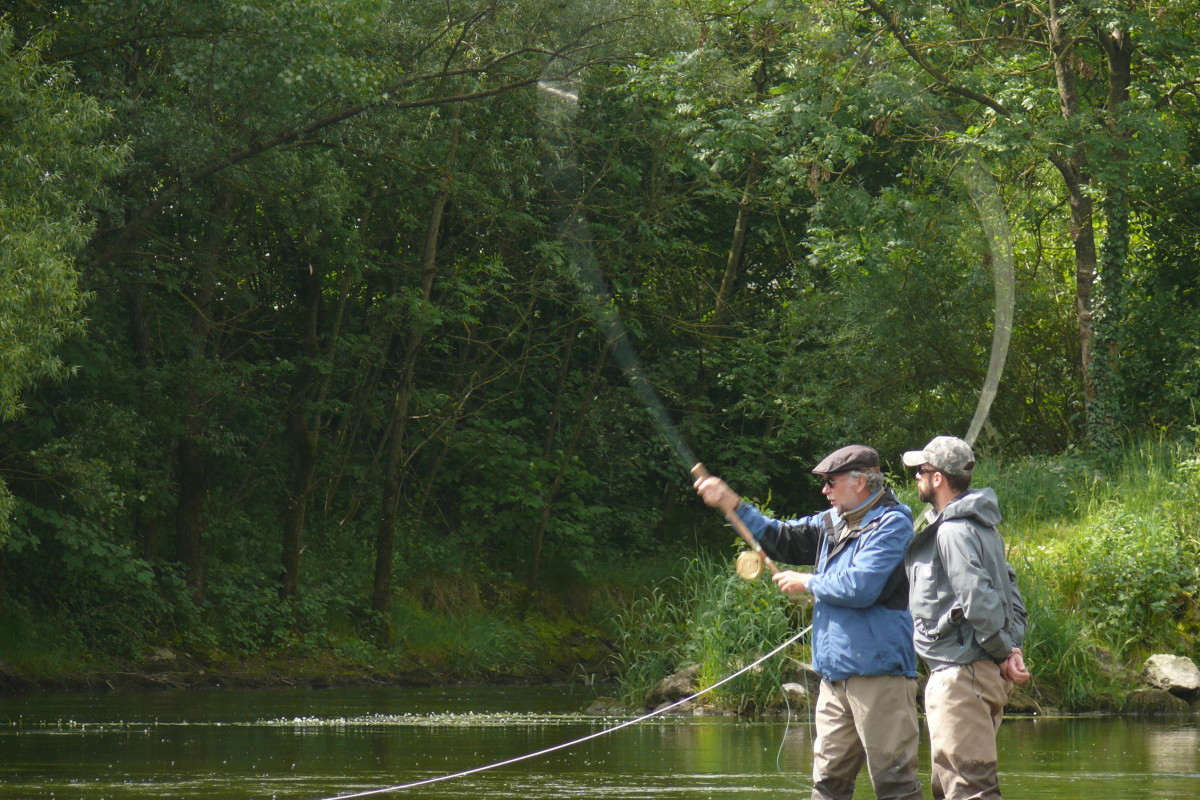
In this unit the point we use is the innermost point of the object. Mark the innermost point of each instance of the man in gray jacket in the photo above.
(968, 620)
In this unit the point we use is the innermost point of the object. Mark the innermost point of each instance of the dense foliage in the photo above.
(381, 288)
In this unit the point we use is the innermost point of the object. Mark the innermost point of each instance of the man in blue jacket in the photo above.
(866, 712)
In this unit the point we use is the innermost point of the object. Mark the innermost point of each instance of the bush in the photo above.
(1113, 566)
(1060, 647)
(709, 617)
(1136, 578)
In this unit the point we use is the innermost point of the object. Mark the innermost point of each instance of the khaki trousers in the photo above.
(963, 709)
(868, 721)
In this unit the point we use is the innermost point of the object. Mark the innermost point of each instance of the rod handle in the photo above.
(701, 472)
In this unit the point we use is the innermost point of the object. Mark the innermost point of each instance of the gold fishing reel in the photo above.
(748, 565)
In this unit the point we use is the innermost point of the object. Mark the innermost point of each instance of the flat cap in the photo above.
(948, 454)
(852, 456)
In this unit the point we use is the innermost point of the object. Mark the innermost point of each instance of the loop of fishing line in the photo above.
(656, 712)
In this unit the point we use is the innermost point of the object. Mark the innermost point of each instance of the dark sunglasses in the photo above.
(829, 482)
(923, 471)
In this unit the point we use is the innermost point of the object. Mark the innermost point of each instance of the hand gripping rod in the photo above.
(700, 472)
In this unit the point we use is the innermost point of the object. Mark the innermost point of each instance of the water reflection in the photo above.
(1174, 750)
(311, 745)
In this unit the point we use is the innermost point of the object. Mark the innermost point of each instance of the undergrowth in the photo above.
(1107, 558)
(708, 617)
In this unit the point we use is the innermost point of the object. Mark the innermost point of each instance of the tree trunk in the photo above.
(393, 475)
(190, 518)
(385, 535)
(464, 388)
(146, 518)
(1105, 415)
(569, 450)
(737, 245)
(1074, 169)
(305, 430)
(304, 434)
(189, 511)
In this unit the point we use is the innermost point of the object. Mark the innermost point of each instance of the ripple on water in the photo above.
(438, 721)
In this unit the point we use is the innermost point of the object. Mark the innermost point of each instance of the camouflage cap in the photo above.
(948, 454)
(852, 456)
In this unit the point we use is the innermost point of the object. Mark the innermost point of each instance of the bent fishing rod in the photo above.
(562, 105)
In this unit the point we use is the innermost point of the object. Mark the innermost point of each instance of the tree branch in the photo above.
(891, 21)
(1174, 90)
(175, 188)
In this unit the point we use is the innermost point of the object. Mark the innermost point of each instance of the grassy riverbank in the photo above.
(1108, 561)
(455, 628)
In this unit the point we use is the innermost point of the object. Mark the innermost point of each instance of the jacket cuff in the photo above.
(997, 646)
(752, 517)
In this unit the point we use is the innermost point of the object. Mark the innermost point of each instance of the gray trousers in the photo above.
(867, 721)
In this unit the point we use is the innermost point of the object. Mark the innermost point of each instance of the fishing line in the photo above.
(787, 727)
(992, 215)
(561, 104)
(559, 109)
(401, 787)
(565, 179)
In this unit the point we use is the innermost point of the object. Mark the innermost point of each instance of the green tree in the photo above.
(55, 154)
(1089, 89)
(339, 336)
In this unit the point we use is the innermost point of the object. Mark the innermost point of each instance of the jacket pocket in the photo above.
(923, 595)
(949, 621)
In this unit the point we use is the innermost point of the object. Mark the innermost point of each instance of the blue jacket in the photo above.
(861, 624)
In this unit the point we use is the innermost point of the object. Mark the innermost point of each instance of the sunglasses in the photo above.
(923, 471)
(829, 482)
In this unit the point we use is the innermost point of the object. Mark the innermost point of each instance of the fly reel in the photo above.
(748, 565)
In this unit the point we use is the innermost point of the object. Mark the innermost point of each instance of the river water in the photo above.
(223, 744)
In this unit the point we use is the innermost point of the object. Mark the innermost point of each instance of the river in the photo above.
(223, 744)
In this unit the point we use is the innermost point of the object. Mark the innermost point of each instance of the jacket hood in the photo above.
(978, 504)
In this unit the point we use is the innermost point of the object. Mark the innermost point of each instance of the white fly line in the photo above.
(527, 756)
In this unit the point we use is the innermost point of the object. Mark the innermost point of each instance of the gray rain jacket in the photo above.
(962, 592)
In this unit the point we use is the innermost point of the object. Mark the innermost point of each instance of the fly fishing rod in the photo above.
(560, 106)
(562, 103)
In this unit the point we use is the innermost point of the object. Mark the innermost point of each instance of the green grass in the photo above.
(708, 617)
(1107, 559)
(38, 645)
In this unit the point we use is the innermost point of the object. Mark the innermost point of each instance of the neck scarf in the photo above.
(855, 515)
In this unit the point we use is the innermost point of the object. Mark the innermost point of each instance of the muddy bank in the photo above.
(172, 671)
